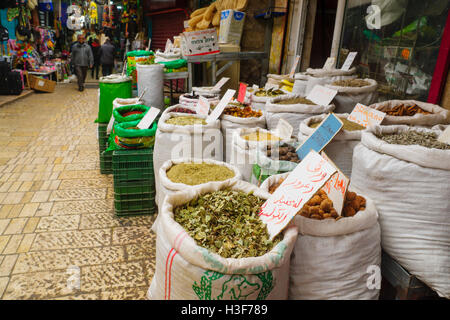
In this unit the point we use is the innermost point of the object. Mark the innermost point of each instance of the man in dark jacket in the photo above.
(95, 46)
(82, 59)
(107, 57)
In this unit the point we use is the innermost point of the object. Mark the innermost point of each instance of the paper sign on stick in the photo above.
(323, 134)
(321, 95)
(444, 137)
(220, 83)
(202, 106)
(336, 187)
(294, 67)
(298, 188)
(284, 129)
(329, 64)
(148, 119)
(221, 106)
(348, 62)
(366, 116)
(242, 92)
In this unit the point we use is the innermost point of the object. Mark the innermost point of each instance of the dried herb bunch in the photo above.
(226, 222)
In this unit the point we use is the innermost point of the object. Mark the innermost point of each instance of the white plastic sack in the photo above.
(151, 77)
(119, 102)
(259, 102)
(243, 152)
(410, 187)
(340, 149)
(167, 187)
(347, 97)
(208, 91)
(186, 271)
(336, 260)
(194, 141)
(229, 123)
(300, 84)
(438, 114)
(292, 113)
(189, 102)
(324, 76)
(171, 108)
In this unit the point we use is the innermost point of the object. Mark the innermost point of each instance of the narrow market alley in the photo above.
(59, 237)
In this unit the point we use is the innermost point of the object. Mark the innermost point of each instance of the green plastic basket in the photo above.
(106, 162)
(127, 188)
(123, 206)
(131, 213)
(134, 196)
(133, 174)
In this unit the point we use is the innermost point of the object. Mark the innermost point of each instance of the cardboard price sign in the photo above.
(366, 116)
(298, 188)
(221, 106)
(321, 95)
(202, 106)
(444, 137)
(242, 92)
(336, 187)
(323, 134)
(220, 83)
(294, 67)
(148, 119)
(284, 129)
(348, 62)
(329, 64)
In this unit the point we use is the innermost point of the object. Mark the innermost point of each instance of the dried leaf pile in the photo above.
(424, 139)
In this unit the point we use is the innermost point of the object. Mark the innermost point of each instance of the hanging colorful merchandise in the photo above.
(93, 13)
(45, 5)
(129, 11)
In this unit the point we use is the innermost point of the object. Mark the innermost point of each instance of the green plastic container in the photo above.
(126, 206)
(110, 89)
(106, 162)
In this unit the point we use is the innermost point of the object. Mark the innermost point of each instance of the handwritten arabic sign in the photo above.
(298, 188)
(323, 134)
(336, 187)
(366, 116)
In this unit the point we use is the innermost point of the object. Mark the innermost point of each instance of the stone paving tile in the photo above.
(109, 220)
(72, 239)
(77, 207)
(80, 194)
(81, 184)
(58, 223)
(137, 293)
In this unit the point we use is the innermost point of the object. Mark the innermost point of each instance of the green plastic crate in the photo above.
(134, 196)
(134, 205)
(131, 213)
(106, 162)
(132, 188)
(133, 174)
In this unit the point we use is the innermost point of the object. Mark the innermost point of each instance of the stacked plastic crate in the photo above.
(105, 156)
(134, 182)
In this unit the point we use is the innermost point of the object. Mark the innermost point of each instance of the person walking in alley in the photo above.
(82, 59)
(95, 46)
(107, 57)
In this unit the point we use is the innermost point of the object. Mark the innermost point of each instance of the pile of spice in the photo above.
(226, 222)
(351, 83)
(197, 173)
(185, 121)
(183, 110)
(284, 152)
(260, 136)
(424, 139)
(320, 207)
(348, 125)
(405, 110)
(242, 112)
(196, 96)
(268, 93)
(299, 100)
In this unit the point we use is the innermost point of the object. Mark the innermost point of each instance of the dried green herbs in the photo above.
(351, 83)
(197, 173)
(348, 125)
(226, 222)
(424, 139)
(298, 100)
(185, 121)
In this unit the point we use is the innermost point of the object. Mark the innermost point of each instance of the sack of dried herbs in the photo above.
(406, 173)
(224, 222)
(181, 174)
(412, 112)
(229, 123)
(294, 109)
(178, 107)
(245, 142)
(191, 100)
(322, 76)
(331, 257)
(340, 149)
(186, 141)
(347, 97)
(261, 96)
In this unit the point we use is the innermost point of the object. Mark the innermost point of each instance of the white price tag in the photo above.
(348, 62)
(284, 129)
(202, 106)
(221, 83)
(148, 119)
(294, 67)
(329, 64)
(444, 137)
(321, 95)
(221, 106)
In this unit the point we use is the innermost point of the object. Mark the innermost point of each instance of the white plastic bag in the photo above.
(347, 97)
(336, 260)
(192, 141)
(189, 102)
(438, 114)
(325, 76)
(187, 271)
(410, 187)
(292, 113)
(340, 148)
(300, 84)
(151, 78)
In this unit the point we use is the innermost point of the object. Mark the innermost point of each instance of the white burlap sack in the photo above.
(229, 124)
(171, 108)
(300, 84)
(189, 102)
(347, 97)
(292, 113)
(207, 91)
(438, 114)
(185, 270)
(151, 77)
(336, 259)
(410, 187)
(119, 102)
(243, 152)
(194, 141)
(340, 149)
(324, 76)
(259, 102)
(167, 187)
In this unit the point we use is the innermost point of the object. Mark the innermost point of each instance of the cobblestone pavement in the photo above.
(57, 222)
